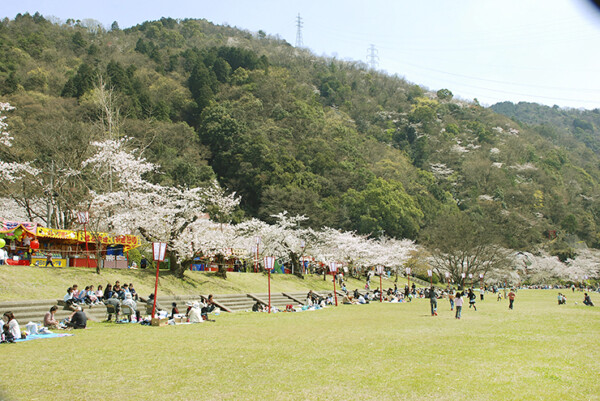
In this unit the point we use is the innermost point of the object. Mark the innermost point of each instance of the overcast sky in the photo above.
(544, 51)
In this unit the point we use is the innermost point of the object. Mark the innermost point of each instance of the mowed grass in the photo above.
(538, 351)
(24, 282)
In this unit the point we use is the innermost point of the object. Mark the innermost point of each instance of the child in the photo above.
(459, 304)
(451, 299)
(7, 336)
(174, 311)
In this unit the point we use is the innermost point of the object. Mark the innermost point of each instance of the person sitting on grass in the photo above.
(13, 325)
(133, 292)
(118, 290)
(82, 296)
(208, 307)
(7, 336)
(108, 293)
(347, 300)
(587, 300)
(562, 300)
(49, 320)
(174, 310)
(70, 300)
(258, 307)
(78, 319)
(150, 305)
(195, 315)
(91, 296)
(75, 291)
(100, 293)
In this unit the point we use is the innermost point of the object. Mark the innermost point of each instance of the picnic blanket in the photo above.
(47, 335)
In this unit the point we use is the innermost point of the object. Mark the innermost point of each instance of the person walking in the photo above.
(511, 298)
(459, 304)
(433, 301)
(451, 298)
(472, 299)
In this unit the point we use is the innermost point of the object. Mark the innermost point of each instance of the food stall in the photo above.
(30, 244)
(17, 236)
(58, 243)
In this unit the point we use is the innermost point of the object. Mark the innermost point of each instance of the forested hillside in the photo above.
(347, 146)
(583, 125)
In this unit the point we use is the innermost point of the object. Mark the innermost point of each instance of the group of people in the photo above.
(197, 311)
(11, 330)
(91, 296)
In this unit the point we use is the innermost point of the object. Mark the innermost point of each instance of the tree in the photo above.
(383, 207)
(444, 94)
(284, 239)
(168, 214)
(460, 245)
(13, 170)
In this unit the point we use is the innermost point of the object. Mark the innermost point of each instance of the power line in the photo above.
(299, 24)
(372, 57)
(420, 67)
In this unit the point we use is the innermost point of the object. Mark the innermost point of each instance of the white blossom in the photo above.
(524, 167)
(456, 148)
(11, 171)
(440, 170)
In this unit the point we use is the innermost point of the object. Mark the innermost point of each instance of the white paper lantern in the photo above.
(269, 262)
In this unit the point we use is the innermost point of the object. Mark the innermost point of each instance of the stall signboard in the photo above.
(7, 226)
(54, 233)
(104, 238)
(128, 241)
(41, 261)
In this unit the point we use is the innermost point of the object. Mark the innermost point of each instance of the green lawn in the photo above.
(19, 282)
(539, 351)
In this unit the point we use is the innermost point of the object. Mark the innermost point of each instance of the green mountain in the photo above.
(348, 146)
(581, 125)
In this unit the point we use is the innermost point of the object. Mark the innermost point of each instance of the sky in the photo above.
(543, 51)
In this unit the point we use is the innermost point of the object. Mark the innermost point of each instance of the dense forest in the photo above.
(345, 145)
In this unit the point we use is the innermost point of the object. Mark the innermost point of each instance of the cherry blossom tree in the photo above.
(544, 268)
(10, 171)
(283, 239)
(169, 214)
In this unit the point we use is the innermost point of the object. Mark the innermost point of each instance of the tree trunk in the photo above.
(98, 257)
(222, 272)
(296, 265)
(178, 268)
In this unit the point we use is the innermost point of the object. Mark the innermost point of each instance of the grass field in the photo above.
(19, 282)
(539, 351)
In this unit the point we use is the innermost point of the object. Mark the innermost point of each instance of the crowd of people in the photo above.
(91, 296)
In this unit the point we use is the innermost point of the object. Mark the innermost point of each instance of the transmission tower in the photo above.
(299, 31)
(372, 57)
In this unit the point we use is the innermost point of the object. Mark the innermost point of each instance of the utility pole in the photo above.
(372, 57)
(299, 24)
